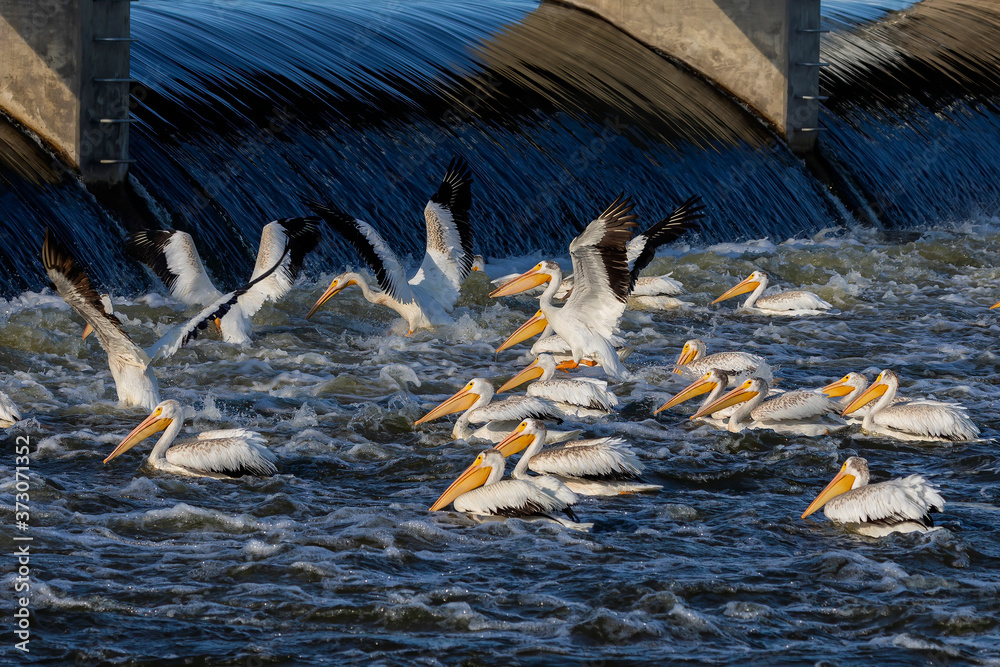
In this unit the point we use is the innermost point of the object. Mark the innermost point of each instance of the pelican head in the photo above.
(477, 391)
(532, 327)
(886, 381)
(693, 350)
(473, 477)
(521, 437)
(706, 383)
(544, 366)
(846, 385)
(748, 284)
(542, 272)
(747, 390)
(853, 474)
(159, 419)
(340, 283)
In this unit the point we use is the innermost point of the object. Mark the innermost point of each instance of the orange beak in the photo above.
(841, 483)
(532, 327)
(738, 395)
(334, 289)
(531, 372)
(696, 388)
(458, 402)
(746, 285)
(522, 283)
(873, 392)
(471, 478)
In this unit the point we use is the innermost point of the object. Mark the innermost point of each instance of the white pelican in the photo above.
(481, 490)
(656, 293)
(793, 302)
(219, 454)
(582, 396)
(693, 362)
(794, 412)
(499, 418)
(596, 467)
(848, 388)
(9, 414)
(173, 257)
(896, 506)
(590, 315)
(913, 420)
(606, 267)
(424, 300)
(129, 364)
(713, 382)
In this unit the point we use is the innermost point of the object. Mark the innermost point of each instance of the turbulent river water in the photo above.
(337, 560)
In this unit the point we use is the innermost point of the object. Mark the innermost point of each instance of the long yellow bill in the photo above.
(838, 388)
(687, 355)
(841, 483)
(522, 283)
(472, 478)
(333, 290)
(530, 372)
(532, 327)
(87, 330)
(995, 305)
(738, 395)
(873, 392)
(744, 286)
(700, 386)
(458, 402)
(152, 424)
(515, 442)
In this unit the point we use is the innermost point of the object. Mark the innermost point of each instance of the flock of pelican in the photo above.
(577, 323)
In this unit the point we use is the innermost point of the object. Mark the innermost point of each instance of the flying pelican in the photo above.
(129, 364)
(793, 302)
(499, 418)
(219, 454)
(173, 257)
(605, 270)
(9, 414)
(590, 315)
(481, 490)
(596, 467)
(795, 412)
(693, 362)
(913, 420)
(582, 396)
(427, 298)
(895, 506)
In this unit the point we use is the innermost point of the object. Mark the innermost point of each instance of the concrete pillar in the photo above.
(64, 74)
(765, 52)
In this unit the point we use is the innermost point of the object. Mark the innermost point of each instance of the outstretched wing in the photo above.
(73, 285)
(180, 335)
(642, 248)
(448, 258)
(297, 236)
(382, 261)
(600, 269)
(174, 259)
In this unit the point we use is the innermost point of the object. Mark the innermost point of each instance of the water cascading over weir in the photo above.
(222, 116)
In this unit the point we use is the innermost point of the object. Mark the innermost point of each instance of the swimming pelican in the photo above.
(173, 257)
(848, 388)
(129, 364)
(793, 302)
(499, 418)
(713, 382)
(424, 300)
(913, 420)
(582, 396)
(693, 362)
(595, 467)
(9, 414)
(794, 412)
(895, 506)
(219, 454)
(481, 490)
(656, 293)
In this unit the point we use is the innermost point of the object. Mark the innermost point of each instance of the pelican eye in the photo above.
(479, 459)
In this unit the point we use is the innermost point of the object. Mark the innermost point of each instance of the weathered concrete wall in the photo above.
(762, 51)
(53, 58)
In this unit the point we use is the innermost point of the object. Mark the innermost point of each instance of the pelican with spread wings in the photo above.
(427, 298)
